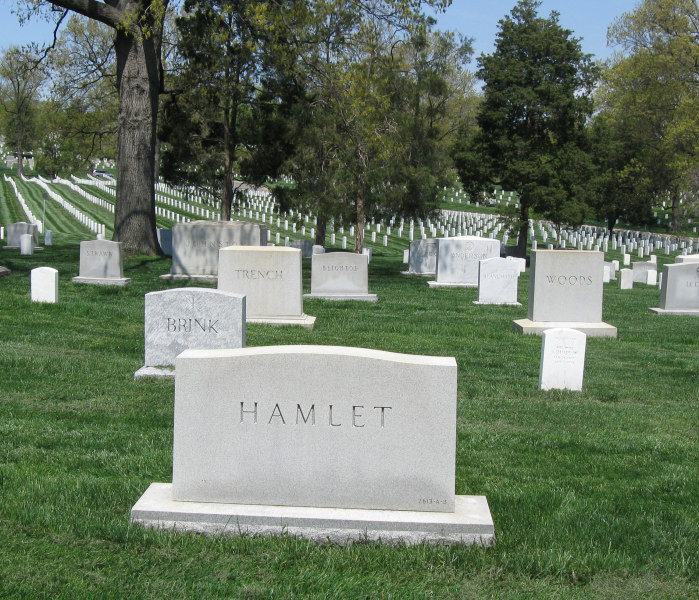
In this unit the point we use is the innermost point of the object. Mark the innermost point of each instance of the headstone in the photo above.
(687, 258)
(368, 253)
(189, 318)
(497, 281)
(340, 276)
(270, 279)
(195, 246)
(562, 359)
(15, 230)
(101, 263)
(458, 258)
(406, 256)
(306, 247)
(625, 279)
(565, 290)
(44, 285)
(640, 271)
(679, 292)
(165, 240)
(26, 244)
(423, 257)
(287, 450)
(521, 262)
(48, 238)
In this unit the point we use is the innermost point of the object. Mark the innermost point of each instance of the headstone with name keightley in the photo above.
(289, 451)
(340, 276)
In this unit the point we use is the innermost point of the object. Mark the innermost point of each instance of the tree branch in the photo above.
(99, 11)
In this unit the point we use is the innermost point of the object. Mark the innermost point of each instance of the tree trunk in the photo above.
(359, 238)
(321, 229)
(523, 229)
(611, 222)
(138, 80)
(156, 159)
(675, 225)
(20, 146)
(227, 195)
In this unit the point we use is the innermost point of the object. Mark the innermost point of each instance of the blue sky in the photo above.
(478, 19)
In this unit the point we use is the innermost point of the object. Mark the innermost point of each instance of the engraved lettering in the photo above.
(171, 325)
(243, 412)
(311, 414)
(356, 415)
(277, 412)
(330, 418)
(383, 409)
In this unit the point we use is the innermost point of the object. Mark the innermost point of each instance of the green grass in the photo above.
(593, 494)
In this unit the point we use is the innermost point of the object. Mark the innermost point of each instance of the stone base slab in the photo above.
(685, 311)
(36, 248)
(304, 320)
(529, 327)
(471, 523)
(360, 297)
(439, 284)
(498, 303)
(121, 281)
(414, 274)
(155, 372)
(5, 272)
(184, 277)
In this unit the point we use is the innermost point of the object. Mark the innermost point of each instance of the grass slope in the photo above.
(593, 494)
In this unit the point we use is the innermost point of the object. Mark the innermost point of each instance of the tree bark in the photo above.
(138, 79)
(523, 229)
(321, 229)
(359, 237)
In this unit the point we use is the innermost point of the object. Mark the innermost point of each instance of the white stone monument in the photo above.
(101, 263)
(15, 230)
(497, 282)
(565, 290)
(270, 280)
(458, 258)
(195, 246)
(340, 276)
(679, 291)
(422, 258)
(289, 451)
(562, 359)
(625, 279)
(189, 318)
(44, 285)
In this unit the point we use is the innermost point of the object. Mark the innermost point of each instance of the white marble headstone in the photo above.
(44, 284)
(562, 359)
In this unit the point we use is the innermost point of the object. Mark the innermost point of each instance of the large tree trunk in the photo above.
(523, 229)
(138, 79)
(361, 221)
(321, 229)
(675, 224)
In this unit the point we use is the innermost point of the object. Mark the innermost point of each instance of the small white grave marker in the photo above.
(44, 282)
(562, 359)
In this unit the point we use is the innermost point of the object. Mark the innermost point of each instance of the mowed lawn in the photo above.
(594, 494)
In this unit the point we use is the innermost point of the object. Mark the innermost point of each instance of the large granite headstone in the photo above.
(497, 281)
(16, 230)
(679, 292)
(422, 259)
(189, 318)
(565, 290)
(458, 258)
(195, 246)
(101, 263)
(289, 450)
(340, 276)
(270, 280)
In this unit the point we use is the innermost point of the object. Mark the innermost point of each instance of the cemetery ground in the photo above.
(593, 493)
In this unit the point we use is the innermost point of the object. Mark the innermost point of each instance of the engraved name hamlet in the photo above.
(358, 417)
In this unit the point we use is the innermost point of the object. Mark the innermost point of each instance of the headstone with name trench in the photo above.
(289, 451)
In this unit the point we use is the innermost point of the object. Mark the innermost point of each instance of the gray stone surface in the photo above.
(101, 263)
(640, 271)
(26, 244)
(598, 330)
(685, 258)
(340, 276)
(422, 259)
(679, 292)
(281, 430)
(44, 285)
(566, 286)
(562, 359)
(497, 281)
(306, 247)
(188, 318)
(195, 245)
(458, 258)
(470, 523)
(165, 240)
(625, 279)
(15, 230)
(269, 278)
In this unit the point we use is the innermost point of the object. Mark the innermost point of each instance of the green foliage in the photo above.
(531, 121)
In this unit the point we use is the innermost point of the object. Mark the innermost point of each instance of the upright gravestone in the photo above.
(565, 290)
(288, 450)
(189, 318)
(422, 259)
(641, 269)
(165, 240)
(340, 276)
(26, 244)
(306, 247)
(679, 291)
(562, 359)
(101, 263)
(44, 285)
(195, 246)
(270, 279)
(497, 282)
(16, 230)
(458, 258)
(625, 279)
